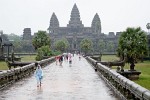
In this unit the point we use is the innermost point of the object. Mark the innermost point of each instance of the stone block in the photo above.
(146, 95)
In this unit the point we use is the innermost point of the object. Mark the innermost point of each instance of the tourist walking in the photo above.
(38, 74)
(67, 57)
(57, 59)
(70, 58)
(79, 57)
(61, 60)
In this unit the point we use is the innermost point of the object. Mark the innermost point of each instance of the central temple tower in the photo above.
(75, 21)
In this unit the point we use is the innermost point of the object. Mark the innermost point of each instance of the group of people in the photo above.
(39, 73)
(61, 58)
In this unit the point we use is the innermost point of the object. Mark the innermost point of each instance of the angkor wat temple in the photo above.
(75, 31)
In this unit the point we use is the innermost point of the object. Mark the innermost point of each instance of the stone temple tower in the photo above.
(54, 24)
(75, 21)
(27, 34)
(96, 24)
(75, 24)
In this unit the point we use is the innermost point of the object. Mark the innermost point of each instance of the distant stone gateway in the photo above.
(75, 31)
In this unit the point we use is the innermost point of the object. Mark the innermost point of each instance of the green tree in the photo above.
(39, 55)
(14, 37)
(133, 45)
(17, 46)
(46, 51)
(86, 45)
(41, 39)
(101, 47)
(42, 52)
(61, 45)
(110, 46)
(27, 46)
(66, 42)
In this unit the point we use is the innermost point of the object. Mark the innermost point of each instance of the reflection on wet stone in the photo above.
(78, 82)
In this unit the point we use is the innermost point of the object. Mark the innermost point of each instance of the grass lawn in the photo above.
(109, 58)
(3, 65)
(28, 58)
(144, 67)
(144, 79)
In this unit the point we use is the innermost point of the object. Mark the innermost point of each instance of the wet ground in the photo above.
(77, 81)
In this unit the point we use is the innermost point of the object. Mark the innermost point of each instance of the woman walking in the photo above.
(38, 74)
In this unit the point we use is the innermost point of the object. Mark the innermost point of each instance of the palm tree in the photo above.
(133, 44)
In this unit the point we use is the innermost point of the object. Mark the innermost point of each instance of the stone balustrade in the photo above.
(10, 76)
(124, 88)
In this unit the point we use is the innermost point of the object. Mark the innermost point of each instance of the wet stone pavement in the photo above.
(78, 81)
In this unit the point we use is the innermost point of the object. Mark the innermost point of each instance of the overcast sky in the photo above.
(115, 15)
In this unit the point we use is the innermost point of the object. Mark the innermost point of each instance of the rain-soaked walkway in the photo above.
(76, 82)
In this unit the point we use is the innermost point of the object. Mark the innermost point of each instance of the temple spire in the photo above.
(75, 18)
(96, 24)
(54, 21)
(54, 24)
